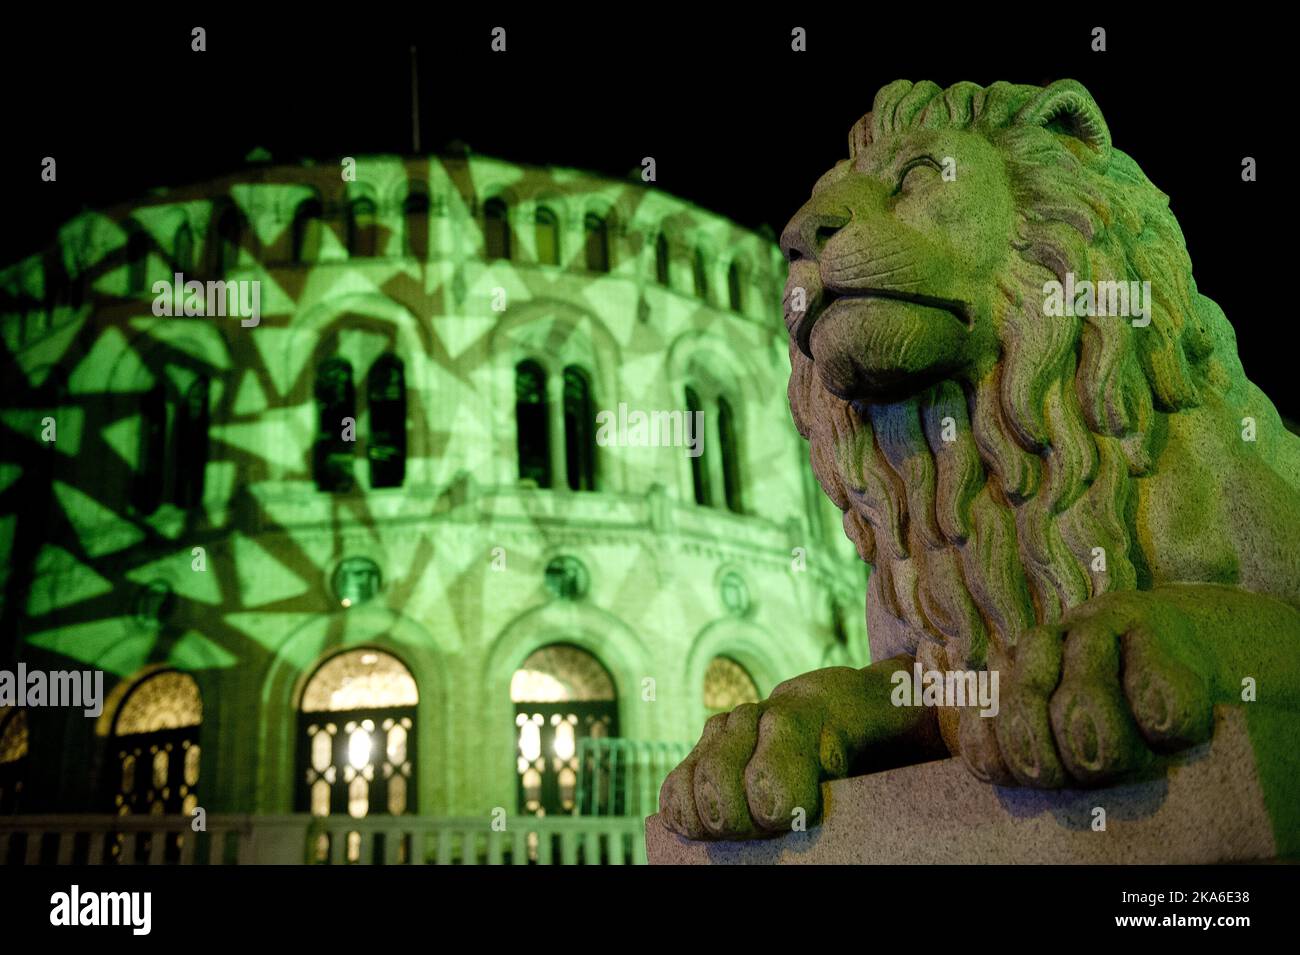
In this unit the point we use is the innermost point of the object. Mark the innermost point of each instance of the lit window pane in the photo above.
(358, 797)
(320, 798)
(160, 769)
(192, 765)
(321, 744)
(564, 742)
(397, 795)
(397, 744)
(359, 747)
(530, 740)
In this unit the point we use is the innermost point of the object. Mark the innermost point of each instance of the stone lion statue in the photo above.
(1081, 494)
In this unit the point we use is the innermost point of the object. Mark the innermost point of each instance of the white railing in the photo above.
(297, 839)
(621, 777)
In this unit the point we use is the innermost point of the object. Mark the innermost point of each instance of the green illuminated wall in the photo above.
(78, 556)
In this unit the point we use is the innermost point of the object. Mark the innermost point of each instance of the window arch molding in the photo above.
(717, 375)
(618, 647)
(198, 348)
(312, 335)
(422, 651)
(752, 646)
(530, 332)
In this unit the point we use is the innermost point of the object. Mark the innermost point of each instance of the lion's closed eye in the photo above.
(916, 174)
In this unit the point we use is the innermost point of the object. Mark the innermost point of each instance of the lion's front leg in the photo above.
(1127, 676)
(762, 764)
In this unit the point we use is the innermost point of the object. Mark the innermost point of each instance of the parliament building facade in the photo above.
(362, 550)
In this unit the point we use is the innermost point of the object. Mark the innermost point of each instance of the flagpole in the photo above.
(415, 103)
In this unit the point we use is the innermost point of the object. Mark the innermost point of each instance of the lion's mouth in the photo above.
(803, 328)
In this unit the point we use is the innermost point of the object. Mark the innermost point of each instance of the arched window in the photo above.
(13, 759)
(183, 249)
(562, 695)
(306, 231)
(356, 751)
(699, 467)
(532, 424)
(363, 229)
(154, 744)
(730, 456)
(548, 237)
(336, 405)
(386, 399)
(496, 229)
(701, 276)
(727, 685)
(662, 259)
(151, 472)
(191, 445)
(226, 247)
(596, 231)
(579, 430)
(415, 213)
(734, 287)
(137, 261)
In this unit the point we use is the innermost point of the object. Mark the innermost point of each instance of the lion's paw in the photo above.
(754, 772)
(1095, 697)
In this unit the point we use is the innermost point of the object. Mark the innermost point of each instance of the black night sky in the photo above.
(735, 121)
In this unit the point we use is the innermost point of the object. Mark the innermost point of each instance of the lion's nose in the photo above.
(808, 232)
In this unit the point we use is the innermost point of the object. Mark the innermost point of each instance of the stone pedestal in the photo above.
(1203, 806)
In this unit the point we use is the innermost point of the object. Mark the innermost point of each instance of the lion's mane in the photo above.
(978, 538)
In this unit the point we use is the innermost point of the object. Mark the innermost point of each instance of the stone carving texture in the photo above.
(1098, 508)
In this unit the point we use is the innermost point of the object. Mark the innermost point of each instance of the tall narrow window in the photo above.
(496, 229)
(151, 474)
(336, 404)
(229, 228)
(386, 398)
(699, 468)
(596, 231)
(734, 287)
(548, 237)
(701, 276)
(579, 430)
(532, 424)
(363, 229)
(662, 275)
(137, 261)
(730, 457)
(306, 231)
(183, 249)
(415, 213)
(356, 753)
(155, 745)
(191, 445)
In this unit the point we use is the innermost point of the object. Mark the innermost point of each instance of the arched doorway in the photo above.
(562, 695)
(154, 742)
(356, 753)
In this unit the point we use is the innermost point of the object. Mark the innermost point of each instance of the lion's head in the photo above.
(982, 449)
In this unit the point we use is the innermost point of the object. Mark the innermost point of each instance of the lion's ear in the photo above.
(1066, 107)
